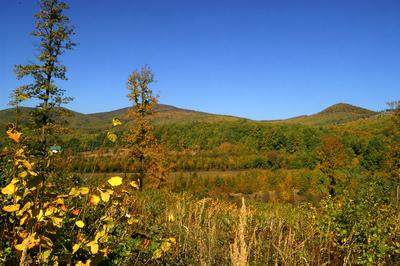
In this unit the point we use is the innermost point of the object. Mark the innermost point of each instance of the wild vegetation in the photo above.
(138, 188)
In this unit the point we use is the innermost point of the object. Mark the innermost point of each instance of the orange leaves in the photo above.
(11, 208)
(14, 135)
(94, 200)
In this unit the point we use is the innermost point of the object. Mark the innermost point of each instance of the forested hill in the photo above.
(165, 114)
(100, 121)
(336, 114)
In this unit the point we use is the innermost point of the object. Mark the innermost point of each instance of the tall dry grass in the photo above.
(214, 232)
(239, 250)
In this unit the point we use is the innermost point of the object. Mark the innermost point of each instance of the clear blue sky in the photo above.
(255, 59)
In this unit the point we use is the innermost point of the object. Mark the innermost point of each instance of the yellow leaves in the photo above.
(115, 181)
(44, 256)
(75, 192)
(94, 247)
(46, 242)
(105, 196)
(170, 218)
(157, 254)
(105, 251)
(132, 221)
(83, 190)
(134, 184)
(22, 96)
(100, 234)
(94, 200)
(32, 173)
(107, 220)
(172, 240)
(23, 174)
(80, 224)
(56, 221)
(23, 219)
(60, 201)
(49, 211)
(28, 243)
(87, 263)
(10, 189)
(26, 207)
(11, 208)
(19, 247)
(23, 234)
(27, 165)
(75, 248)
(116, 122)
(112, 137)
(40, 216)
(14, 135)
(164, 247)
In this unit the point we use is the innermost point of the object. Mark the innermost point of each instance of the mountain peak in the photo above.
(346, 108)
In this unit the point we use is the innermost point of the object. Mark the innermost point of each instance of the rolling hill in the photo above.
(167, 114)
(101, 121)
(336, 114)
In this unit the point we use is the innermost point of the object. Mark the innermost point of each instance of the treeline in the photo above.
(241, 145)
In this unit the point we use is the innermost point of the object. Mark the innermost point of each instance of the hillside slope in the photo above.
(167, 114)
(100, 121)
(336, 114)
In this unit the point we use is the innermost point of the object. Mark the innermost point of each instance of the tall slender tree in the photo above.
(147, 155)
(54, 31)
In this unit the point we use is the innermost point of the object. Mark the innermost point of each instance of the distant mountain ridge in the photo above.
(336, 114)
(102, 120)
